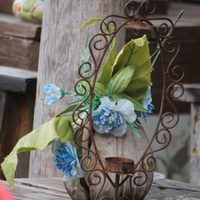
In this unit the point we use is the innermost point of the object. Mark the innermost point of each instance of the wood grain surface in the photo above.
(13, 26)
(53, 189)
(60, 56)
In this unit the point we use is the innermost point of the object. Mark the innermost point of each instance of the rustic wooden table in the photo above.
(53, 189)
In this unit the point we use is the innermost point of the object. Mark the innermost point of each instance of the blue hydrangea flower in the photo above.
(66, 159)
(146, 103)
(54, 94)
(111, 117)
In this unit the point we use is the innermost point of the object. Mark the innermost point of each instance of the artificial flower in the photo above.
(111, 117)
(66, 159)
(54, 94)
(122, 77)
(146, 103)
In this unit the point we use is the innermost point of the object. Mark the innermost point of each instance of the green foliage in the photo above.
(121, 79)
(125, 75)
(28, 4)
(99, 89)
(107, 68)
(37, 140)
(69, 109)
(129, 72)
(37, 15)
(89, 22)
(24, 16)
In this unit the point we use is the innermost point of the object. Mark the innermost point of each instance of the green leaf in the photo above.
(36, 140)
(135, 53)
(28, 4)
(63, 128)
(25, 16)
(122, 79)
(37, 15)
(107, 68)
(139, 82)
(69, 109)
(139, 95)
(99, 89)
(89, 22)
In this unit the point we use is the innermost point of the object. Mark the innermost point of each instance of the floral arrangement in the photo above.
(122, 94)
(118, 101)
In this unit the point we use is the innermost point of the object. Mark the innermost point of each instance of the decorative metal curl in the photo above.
(135, 17)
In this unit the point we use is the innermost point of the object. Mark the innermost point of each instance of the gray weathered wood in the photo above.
(38, 189)
(173, 190)
(17, 80)
(53, 189)
(17, 120)
(19, 43)
(195, 144)
(192, 95)
(60, 56)
(6, 6)
(13, 26)
(2, 107)
(17, 99)
(19, 52)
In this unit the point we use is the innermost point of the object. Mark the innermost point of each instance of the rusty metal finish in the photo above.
(139, 18)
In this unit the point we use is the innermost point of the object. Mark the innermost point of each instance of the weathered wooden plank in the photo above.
(195, 144)
(53, 189)
(13, 26)
(192, 95)
(39, 189)
(54, 184)
(6, 6)
(173, 190)
(60, 56)
(17, 80)
(2, 107)
(2, 104)
(17, 120)
(17, 99)
(19, 52)
(18, 73)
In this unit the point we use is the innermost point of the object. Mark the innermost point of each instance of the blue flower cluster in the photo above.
(111, 117)
(66, 159)
(54, 94)
(146, 103)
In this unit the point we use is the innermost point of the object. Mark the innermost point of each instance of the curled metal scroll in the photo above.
(138, 17)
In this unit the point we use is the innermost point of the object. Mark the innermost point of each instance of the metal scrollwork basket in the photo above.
(122, 167)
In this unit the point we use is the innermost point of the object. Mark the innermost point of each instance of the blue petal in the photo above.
(111, 117)
(66, 158)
